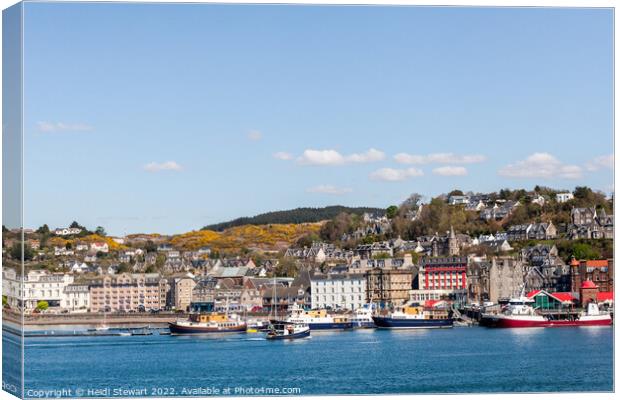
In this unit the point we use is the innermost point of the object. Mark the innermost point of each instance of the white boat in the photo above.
(362, 317)
(317, 319)
(282, 330)
(520, 314)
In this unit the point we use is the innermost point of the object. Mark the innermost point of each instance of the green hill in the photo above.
(296, 216)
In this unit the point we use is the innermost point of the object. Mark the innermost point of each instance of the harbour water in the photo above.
(459, 360)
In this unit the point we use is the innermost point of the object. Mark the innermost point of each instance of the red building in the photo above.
(600, 272)
(443, 273)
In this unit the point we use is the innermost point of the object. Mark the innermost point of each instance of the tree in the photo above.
(42, 305)
(5, 301)
(16, 251)
(150, 247)
(122, 268)
(100, 231)
(4, 229)
(307, 240)
(287, 267)
(455, 192)
(381, 256)
(412, 202)
(74, 224)
(391, 212)
(44, 229)
(582, 192)
(583, 251)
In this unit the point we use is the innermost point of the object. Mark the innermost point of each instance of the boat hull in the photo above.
(507, 322)
(178, 329)
(326, 326)
(402, 323)
(363, 325)
(297, 335)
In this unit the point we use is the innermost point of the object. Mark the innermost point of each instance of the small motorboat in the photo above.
(287, 330)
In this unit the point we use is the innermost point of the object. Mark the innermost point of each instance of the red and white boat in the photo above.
(520, 314)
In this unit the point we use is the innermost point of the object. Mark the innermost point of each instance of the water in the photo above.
(459, 360)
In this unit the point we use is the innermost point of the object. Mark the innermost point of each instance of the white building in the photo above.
(81, 247)
(76, 298)
(346, 291)
(78, 268)
(563, 197)
(67, 231)
(99, 246)
(38, 285)
(63, 251)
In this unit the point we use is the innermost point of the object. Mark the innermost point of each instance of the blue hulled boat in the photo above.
(412, 317)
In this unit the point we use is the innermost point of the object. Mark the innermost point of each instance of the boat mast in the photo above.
(275, 296)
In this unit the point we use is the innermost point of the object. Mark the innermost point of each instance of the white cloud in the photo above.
(541, 165)
(394, 175)
(329, 189)
(369, 156)
(439, 158)
(63, 127)
(282, 155)
(450, 171)
(255, 135)
(601, 162)
(164, 166)
(333, 157)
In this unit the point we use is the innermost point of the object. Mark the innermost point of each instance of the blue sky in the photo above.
(164, 118)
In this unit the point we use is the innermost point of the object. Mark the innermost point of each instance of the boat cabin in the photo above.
(206, 318)
(544, 300)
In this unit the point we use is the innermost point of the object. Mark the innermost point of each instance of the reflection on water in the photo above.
(442, 360)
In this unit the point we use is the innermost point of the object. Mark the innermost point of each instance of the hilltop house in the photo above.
(588, 223)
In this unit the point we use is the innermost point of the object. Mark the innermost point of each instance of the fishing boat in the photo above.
(362, 317)
(283, 330)
(519, 313)
(208, 323)
(317, 319)
(413, 317)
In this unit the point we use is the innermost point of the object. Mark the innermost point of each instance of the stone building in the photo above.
(180, 293)
(499, 278)
(389, 286)
(589, 223)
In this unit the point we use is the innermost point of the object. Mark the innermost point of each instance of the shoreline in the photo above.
(87, 319)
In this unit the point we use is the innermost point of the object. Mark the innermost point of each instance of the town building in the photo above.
(564, 197)
(446, 275)
(389, 286)
(338, 291)
(99, 247)
(125, 292)
(35, 286)
(180, 293)
(600, 272)
(589, 223)
(492, 280)
(67, 231)
(76, 298)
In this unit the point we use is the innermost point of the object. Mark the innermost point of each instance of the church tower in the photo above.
(453, 243)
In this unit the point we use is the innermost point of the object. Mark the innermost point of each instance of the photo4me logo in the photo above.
(9, 387)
